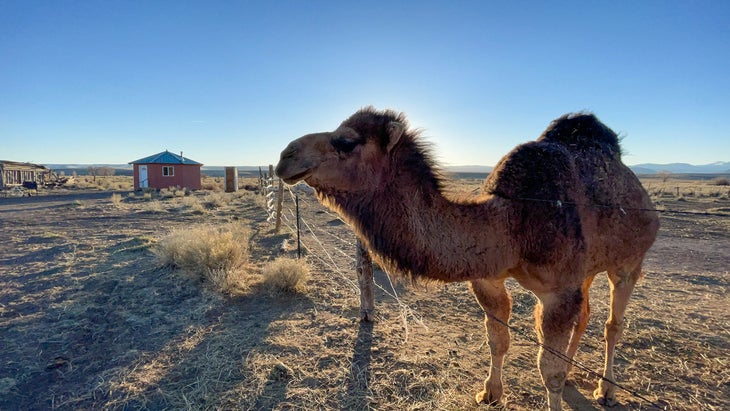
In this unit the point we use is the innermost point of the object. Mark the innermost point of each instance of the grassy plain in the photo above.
(90, 319)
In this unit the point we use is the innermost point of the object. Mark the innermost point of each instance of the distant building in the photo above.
(13, 173)
(164, 170)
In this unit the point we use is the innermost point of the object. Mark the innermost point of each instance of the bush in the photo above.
(286, 275)
(216, 200)
(721, 181)
(116, 200)
(214, 254)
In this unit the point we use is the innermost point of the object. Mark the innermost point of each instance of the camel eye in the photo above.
(343, 145)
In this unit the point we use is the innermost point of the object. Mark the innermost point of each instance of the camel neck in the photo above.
(417, 231)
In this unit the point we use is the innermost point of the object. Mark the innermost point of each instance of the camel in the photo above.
(552, 214)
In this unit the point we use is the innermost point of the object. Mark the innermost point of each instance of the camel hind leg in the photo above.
(622, 285)
(555, 318)
(497, 305)
(582, 322)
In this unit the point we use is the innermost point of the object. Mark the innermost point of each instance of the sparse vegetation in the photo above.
(212, 183)
(721, 181)
(286, 275)
(116, 200)
(88, 320)
(215, 254)
(154, 206)
(216, 199)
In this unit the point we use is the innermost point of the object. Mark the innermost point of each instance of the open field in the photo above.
(88, 319)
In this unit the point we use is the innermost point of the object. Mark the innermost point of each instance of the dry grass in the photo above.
(107, 183)
(116, 200)
(88, 320)
(216, 199)
(212, 183)
(721, 181)
(214, 254)
(671, 189)
(286, 275)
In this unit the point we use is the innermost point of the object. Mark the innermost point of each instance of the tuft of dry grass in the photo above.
(216, 199)
(116, 200)
(286, 275)
(214, 254)
(721, 181)
(193, 204)
(154, 206)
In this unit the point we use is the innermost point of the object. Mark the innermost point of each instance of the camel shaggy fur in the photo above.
(554, 213)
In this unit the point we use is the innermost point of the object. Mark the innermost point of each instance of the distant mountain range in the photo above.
(720, 167)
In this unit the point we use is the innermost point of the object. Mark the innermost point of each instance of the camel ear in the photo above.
(395, 131)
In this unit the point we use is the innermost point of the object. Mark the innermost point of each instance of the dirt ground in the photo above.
(89, 321)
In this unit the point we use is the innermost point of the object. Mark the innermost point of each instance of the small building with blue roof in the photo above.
(165, 170)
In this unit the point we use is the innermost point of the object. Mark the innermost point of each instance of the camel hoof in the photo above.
(605, 398)
(486, 397)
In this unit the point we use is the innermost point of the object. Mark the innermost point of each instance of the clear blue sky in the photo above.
(232, 82)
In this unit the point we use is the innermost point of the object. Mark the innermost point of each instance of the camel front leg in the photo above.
(622, 285)
(554, 320)
(497, 306)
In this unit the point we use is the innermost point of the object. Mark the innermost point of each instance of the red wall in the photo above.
(186, 176)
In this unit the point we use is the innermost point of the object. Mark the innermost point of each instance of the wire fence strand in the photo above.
(328, 260)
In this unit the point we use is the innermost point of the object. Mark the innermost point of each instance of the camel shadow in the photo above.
(356, 394)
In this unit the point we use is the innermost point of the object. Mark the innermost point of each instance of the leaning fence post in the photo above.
(279, 201)
(299, 239)
(365, 281)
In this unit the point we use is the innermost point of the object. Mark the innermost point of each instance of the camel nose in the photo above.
(288, 154)
(290, 150)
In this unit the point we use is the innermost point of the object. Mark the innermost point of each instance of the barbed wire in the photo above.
(560, 203)
(312, 230)
(408, 312)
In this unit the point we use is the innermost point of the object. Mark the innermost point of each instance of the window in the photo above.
(168, 171)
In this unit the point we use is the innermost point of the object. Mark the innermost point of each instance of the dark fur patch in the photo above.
(582, 132)
(538, 177)
(411, 154)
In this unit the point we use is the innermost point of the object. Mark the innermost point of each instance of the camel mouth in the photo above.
(293, 179)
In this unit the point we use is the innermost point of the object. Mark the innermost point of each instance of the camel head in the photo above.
(355, 156)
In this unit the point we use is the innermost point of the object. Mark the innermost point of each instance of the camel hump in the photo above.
(582, 132)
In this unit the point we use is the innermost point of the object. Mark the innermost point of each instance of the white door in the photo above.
(143, 177)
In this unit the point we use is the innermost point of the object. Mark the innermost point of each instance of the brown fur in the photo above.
(552, 214)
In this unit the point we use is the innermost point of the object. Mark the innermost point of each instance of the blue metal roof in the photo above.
(165, 157)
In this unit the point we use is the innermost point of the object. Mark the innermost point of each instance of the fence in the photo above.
(355, 253)
(274, 191)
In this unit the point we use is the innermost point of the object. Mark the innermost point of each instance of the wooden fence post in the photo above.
(365, 281)
(279, 205)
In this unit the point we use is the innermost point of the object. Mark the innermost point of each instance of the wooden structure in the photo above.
(231, 179)
(165, 170)
(14, 174)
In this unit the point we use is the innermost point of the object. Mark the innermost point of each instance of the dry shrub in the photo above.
(116, 200)
(167, 192)
(286, 275)
(155, 206)
(216, 200)
(211, 183)
(193, 204)
(214, 254)
(721, 181)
